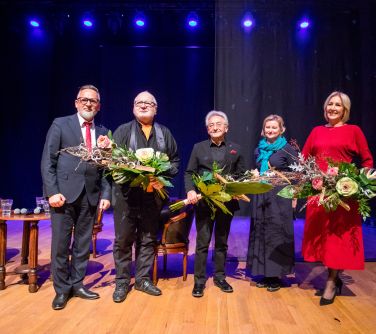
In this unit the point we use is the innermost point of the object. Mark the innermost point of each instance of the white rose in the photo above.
(144, 154)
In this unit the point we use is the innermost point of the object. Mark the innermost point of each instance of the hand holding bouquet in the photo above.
(142, 168)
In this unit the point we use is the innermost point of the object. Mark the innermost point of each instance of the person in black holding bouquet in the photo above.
(228, 156)
(271, 241)
(137, 212)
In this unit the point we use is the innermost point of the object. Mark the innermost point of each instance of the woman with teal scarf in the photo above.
(271, 241)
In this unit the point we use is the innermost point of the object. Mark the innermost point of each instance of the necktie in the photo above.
(88, 135)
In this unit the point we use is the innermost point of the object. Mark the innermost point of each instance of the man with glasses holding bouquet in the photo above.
(137, 212)
(74, 189)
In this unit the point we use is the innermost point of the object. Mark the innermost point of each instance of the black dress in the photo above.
(271, 240)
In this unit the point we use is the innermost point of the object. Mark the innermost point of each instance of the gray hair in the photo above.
(92, 87)
(215, 113)
(152, 97)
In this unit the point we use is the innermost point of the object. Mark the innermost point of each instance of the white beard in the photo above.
(88, 115)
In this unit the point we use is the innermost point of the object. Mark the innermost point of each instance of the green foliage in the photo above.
(350, 182)
(216, 194)
(239, 188)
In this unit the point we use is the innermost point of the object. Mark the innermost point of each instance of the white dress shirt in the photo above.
(83, 130)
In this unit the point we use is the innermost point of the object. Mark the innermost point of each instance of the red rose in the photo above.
(233, 152)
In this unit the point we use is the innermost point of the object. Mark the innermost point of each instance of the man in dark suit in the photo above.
(137, 212)
(229, 157)
(74, 188)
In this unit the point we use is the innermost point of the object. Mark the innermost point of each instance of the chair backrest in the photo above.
(179, 227)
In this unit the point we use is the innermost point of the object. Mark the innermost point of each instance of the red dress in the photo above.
(335, 238)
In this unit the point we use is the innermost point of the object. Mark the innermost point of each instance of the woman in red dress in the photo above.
(335, 238)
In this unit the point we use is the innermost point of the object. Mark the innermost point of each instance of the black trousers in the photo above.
(136, 216)
(68, 275)
(204, 226)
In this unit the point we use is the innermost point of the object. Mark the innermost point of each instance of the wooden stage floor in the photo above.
(293, 309)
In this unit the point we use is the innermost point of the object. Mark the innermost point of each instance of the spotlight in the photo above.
(139, 20)
(247, 21)
(87, 23)
(34, 23)
(88, 20)
(304, 24)
(192, 20)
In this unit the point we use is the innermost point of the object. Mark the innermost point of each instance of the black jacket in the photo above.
(202, 160)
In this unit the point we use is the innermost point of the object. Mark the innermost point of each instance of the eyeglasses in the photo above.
(217, 124)
(146, 103)
(85, 100)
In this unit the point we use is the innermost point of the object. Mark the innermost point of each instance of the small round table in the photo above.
(29, 251)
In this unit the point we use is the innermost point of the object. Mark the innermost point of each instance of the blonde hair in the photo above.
(346, 103)
(276, 118)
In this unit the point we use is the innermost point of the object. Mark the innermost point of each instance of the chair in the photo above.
(174, 240)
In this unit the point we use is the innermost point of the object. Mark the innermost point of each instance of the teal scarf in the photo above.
(266, 150)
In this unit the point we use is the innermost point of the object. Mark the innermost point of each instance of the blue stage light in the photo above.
(87, 23)
(304, 24)
(247, 21)
(34, 23)
(192, 20)
(192, 23)
(140, 20)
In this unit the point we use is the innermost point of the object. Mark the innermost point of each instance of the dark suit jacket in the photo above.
(64, 173)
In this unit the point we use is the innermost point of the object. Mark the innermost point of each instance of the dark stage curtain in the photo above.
(275, 68)
(42, 70)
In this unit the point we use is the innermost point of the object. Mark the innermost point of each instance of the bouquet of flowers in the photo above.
(216, 189)
(138, 168)
(342, 181)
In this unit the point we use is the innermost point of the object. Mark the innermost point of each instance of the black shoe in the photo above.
(263, 283)
(85, 293)
(60, 301)
(324, 301)
(337, 291)
(148, 287)
(223, 285)
(274, 284)
(120, 293)
(198, 290)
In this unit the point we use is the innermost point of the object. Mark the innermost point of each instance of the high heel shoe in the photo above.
(337, 291)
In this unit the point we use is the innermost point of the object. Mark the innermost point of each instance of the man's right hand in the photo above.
(192, 197)
(56, 200)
